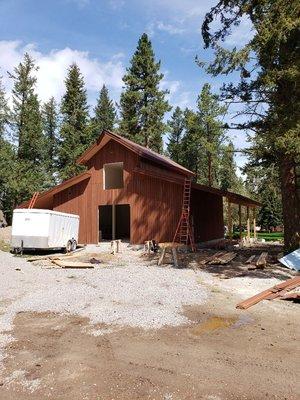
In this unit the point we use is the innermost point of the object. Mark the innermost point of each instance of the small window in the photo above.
(113, 176)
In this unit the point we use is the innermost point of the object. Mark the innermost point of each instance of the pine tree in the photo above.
(143, 103)
(4, 110)
(204, 136)
(176, 128)
(104, 114)
(268, 89)
(227, 174)
(74, 132)
(26, 118)
(50, 124)
(29, 172)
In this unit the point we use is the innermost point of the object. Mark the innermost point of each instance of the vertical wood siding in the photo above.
(155, 205)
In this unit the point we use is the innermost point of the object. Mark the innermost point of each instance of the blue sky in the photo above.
(101, 37)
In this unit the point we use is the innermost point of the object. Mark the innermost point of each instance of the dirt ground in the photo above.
(222, 353)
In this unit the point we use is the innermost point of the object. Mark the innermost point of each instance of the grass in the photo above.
(268, 236)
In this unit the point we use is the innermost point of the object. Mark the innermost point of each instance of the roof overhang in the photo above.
(231, 196)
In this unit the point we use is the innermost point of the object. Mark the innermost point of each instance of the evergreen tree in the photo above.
(26, 117)
(263, 184)
(143, 103)
(74, 132)
(4, 110)
(29, 174)
(176, 128)
(269, 88)
(105, 114)
(228, 176)
(204, 136)
(50, 124)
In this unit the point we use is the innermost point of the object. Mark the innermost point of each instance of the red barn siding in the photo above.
(155, 204)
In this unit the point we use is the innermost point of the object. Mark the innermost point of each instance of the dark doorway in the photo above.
(114, 222)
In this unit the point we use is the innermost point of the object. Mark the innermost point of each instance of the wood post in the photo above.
(240, 221)
(113, 222)
(254, 223)
(229, 220)
(248, 224)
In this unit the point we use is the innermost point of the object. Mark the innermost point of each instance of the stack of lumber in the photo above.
(257, 262)
(219, 258)
(272, 293)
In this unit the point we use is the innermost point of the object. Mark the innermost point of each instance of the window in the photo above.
(113, 176)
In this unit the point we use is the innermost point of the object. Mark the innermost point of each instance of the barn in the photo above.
(129, 192)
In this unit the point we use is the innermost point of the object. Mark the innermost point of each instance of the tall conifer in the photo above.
(143, 103)
(74, 132)
(176, 128)
(104, 114)
(50, 123)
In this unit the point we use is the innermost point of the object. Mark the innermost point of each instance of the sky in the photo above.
(101, 36)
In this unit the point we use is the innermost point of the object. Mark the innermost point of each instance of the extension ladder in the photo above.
(33, 199)
(184, 233)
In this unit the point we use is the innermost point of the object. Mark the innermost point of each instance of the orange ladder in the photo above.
(184, 233)
(33, 199)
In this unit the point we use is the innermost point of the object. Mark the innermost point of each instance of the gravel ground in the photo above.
(127, 294)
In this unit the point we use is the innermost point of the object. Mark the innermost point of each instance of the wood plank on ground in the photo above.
(262, 259)
(72, 264)
(251, 259)
(223, 259)
(288, 284)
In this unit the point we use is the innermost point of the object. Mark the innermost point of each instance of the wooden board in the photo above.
(290, 283)
(72, 264)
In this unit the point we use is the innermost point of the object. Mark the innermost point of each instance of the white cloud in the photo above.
(53, 68)
(172, 29)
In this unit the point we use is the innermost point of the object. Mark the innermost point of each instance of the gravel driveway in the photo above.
(128, 294)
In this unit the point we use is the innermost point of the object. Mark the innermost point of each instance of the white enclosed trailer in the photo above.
(44, 229)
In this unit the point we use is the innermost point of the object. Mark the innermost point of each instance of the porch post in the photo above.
(229, 220)
(113, 230)
(254, 223)
(248, 224)
(240, 221)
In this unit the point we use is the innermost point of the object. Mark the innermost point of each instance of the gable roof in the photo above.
(142, 151)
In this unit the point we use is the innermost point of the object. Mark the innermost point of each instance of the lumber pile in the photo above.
(219, 258)
(260, 263)
(271, 293)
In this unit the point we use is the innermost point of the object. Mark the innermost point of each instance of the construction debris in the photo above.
(115, 246)
(292, 260)
(223, 259)
(262, 260)
(271, 293)
(72, 264)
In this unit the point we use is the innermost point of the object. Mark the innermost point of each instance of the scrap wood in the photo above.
(72, 264)
(288, 284)
(251, 259)
(211, 257)
(223, 259)
(291, 296)
(262, 259)
(56, 256)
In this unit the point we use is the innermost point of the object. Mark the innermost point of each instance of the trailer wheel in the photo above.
(69, 246)
(74, 245)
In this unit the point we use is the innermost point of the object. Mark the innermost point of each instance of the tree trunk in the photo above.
(290, 204)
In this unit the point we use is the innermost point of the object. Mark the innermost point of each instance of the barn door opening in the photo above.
(114, 222)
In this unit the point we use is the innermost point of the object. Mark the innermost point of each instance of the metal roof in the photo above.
(137, 148)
